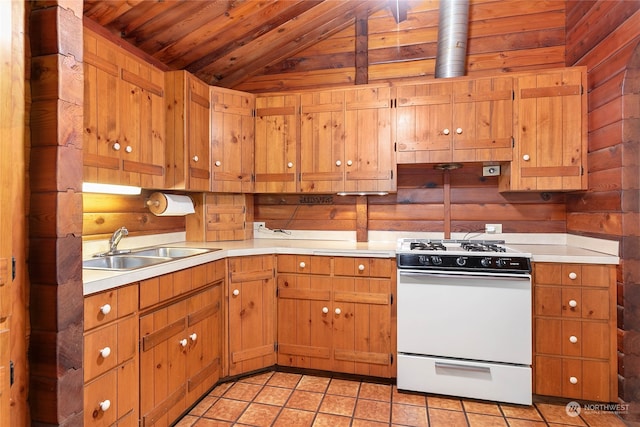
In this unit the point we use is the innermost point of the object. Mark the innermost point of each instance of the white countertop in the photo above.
(98, 280)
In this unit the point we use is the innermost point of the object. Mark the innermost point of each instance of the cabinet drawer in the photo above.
(102, 308)
(368, 267)
(304, 264)
(572, 338)
(586, 275)
(104, 348)
(120, 388)
(575, 302)
(573, 378)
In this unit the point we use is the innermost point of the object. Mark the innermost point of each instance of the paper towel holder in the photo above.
(161, 204)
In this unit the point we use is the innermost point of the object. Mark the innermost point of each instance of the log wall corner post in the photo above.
(55, 212)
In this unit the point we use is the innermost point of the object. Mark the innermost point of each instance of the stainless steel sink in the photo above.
(171, 252)
(122, 262)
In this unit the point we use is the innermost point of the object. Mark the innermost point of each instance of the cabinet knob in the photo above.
(361, 267)
(195, 158)
(290, 165)
(105, 309)
(573, 303)
(325, 310)
(218, 163)
(573, 276)
(183, 342)
(105, 352)
(573, 380)
(338, 163)
(236, 292)
(349, 162)
(459, 131)
(526, 157)
(116, 146)
(446, 131)
(302, 264)
(193, 336)
(128, 149)
(338, 311)
(573, 339)
(105, 405)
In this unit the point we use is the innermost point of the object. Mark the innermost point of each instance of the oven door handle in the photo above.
(492, 276)
(470, 368)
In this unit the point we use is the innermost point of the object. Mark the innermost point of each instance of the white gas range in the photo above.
(464, 319)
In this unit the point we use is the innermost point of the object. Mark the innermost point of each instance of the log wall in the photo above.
(605, 36)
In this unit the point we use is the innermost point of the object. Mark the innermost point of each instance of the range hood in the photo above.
(453, 27)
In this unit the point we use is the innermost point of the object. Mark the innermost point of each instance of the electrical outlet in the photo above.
(493, 228)
(491, 170)
(257, 225)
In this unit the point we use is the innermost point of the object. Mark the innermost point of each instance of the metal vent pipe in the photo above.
(453, 26)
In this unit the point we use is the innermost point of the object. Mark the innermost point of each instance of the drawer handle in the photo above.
(573, 276)
(349, 162)
(105, 352)
(573, 339)
(459, 131)
(446, 131)
(573, 380)
(193, 336)
(290, 165)
(338, 163)
(183, 342)
(105, 405)
(302, 264)
(361, 267)
(573, 303)
(196, 158)
(338, 311)
(236, 292)
(128, 149)
(116, 146)
(526, 157)
(325, 310)
(218, 163)
(105, 309)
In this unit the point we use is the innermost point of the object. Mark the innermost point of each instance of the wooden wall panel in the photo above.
(504, 36)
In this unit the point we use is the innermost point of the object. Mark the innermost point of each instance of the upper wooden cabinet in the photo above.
(276, 136)
(550, 151)
(232, 140)
(461, 120)
(187, 144)
(123, 116)
(345, 141)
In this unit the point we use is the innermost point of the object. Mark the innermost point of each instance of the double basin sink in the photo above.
(138, 258)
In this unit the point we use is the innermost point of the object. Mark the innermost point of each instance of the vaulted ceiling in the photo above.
(224, 42)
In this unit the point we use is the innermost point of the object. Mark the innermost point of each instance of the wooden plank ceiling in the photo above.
(225, 42)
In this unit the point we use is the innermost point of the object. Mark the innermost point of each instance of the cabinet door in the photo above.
(550, 138)
(362, 326)
(304, 321)
(252, 310)
(322, 156)
(163, 349)
(197, 118)
(101, 144)
(204, 334)
(423, 122)
(276, 136)
(232, 140)
(369, 154)
(482, 125)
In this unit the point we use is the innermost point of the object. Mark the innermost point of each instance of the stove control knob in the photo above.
(485, 262)
(461, 261)
(436, 260)
(501, 262)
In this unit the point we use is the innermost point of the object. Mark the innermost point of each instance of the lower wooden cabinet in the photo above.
(111, 357)
(336, 313)
(180, 343)
(575, 331)
(251, 313)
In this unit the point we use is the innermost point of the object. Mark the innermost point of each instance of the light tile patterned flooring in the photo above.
(295, 400)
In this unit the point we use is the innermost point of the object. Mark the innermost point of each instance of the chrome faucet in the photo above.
(115, 239)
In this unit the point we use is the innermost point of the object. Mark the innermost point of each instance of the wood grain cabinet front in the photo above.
(251, 306)
(336, 314)
(111, 357)
(575, 331)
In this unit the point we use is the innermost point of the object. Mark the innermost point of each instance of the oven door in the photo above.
(469, 316)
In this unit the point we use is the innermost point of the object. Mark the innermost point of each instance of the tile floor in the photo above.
(295, 400)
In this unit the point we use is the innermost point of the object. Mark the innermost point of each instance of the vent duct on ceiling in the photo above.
(453, 25)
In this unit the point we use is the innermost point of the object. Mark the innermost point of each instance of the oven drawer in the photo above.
(487, 381)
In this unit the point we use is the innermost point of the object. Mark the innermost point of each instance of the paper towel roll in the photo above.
(162, 204)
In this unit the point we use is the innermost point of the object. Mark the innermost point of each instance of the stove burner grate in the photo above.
(427, 246)
(482, 247)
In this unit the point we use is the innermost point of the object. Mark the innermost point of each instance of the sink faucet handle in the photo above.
(116, 237)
